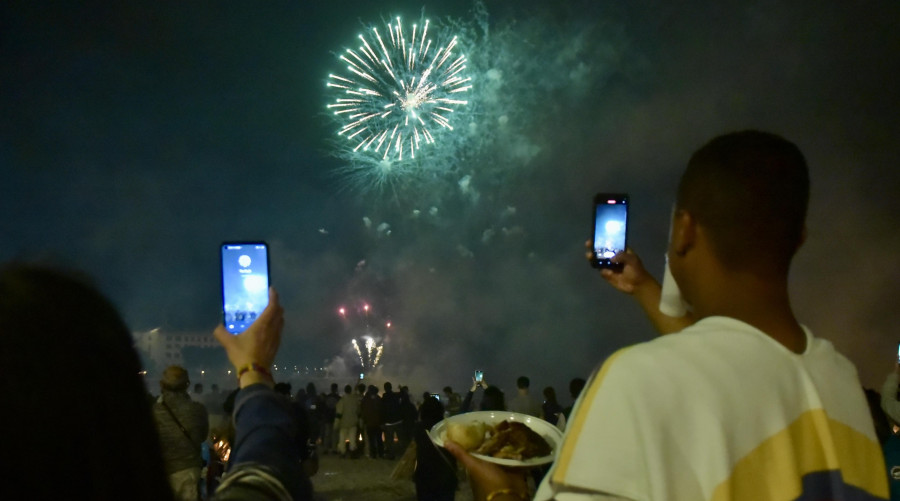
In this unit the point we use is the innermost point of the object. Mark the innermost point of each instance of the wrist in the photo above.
(253, 373)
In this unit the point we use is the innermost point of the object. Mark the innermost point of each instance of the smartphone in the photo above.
(361, 376)
(898, 354)
(479, 375)
(437, 396)
(610, 228)
(245, 283)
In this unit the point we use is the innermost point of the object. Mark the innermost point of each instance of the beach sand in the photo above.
(367, 479)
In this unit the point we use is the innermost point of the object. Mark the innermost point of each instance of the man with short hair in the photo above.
(454, 401)
(183, 425)
(523, 402)
(393, 419)
(743, 403)
(329, 438)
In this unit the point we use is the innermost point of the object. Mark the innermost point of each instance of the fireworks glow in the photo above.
(367, 339)
(399, 91)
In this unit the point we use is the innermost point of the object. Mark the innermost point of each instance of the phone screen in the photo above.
(898, 353)
(610, 228)
(361, 375)
(245, 283)
(479, 375)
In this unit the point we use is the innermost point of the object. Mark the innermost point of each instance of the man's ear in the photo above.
(684, 232)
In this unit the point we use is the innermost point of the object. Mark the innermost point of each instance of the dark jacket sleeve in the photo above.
(266, 436)
(467, 402)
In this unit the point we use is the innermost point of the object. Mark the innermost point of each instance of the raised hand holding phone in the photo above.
(255, 348)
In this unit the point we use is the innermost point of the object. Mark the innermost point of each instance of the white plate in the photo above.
(550, 432)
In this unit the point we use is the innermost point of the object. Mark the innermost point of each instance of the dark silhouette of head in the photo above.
(493, 400)
(55, 323)
(431, 412)
(750, 190)
(575, 387)
(523, 383)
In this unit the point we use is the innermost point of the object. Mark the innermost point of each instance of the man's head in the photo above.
(523, 383)
(448, 390)
(334, 387)
(747, 193)
(174, 378)
(388, 387)
(348, 389)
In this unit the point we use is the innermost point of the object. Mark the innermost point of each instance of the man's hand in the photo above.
(258, 344)
(488, 477)
(635, 280)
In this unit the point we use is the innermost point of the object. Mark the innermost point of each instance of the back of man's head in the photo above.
(174, 378)
(523, 383)
(388, 386)
(750, 190)
(348, 389)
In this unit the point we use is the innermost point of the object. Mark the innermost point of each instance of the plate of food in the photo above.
(505, 438)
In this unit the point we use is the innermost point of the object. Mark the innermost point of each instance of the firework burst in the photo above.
(399, 92)
(368, 334)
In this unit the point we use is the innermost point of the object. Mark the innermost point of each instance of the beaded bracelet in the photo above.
(500, 492)
(253, 366)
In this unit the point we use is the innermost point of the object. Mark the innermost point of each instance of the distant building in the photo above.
(159, 349)
(162, 349)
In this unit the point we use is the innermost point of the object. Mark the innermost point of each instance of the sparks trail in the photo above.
(368, 336)
(398, 93)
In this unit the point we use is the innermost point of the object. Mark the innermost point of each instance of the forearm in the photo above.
(647, 295)
(889, 396)
(266, 433)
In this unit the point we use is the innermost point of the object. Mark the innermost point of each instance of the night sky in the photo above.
(137, 136)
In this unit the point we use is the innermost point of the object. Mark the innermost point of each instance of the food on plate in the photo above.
(469, 436)
(506, 440)
(514, 440)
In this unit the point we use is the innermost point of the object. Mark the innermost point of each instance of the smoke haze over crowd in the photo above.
(135, 137)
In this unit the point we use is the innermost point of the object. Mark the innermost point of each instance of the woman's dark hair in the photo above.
(431, 412)
(493, 400)
(550, 394)
(99, 442)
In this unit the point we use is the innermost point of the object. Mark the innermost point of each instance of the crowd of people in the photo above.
(743, 403)
(195, 429)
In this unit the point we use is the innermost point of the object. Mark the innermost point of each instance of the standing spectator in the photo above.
(435, 474)
(313, 411)
(409, 416)
(393, 419)
(329, 438)
(347, 421)
(575, 387)
(783, 414)
(454, 402)
(492, 399)
(361, 426)
(213, 403)
(523, 402)
(183, 425)
(197, 395)
(373, 419)
(551, 411)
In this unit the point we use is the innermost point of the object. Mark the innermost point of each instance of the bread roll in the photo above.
(468, 436)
